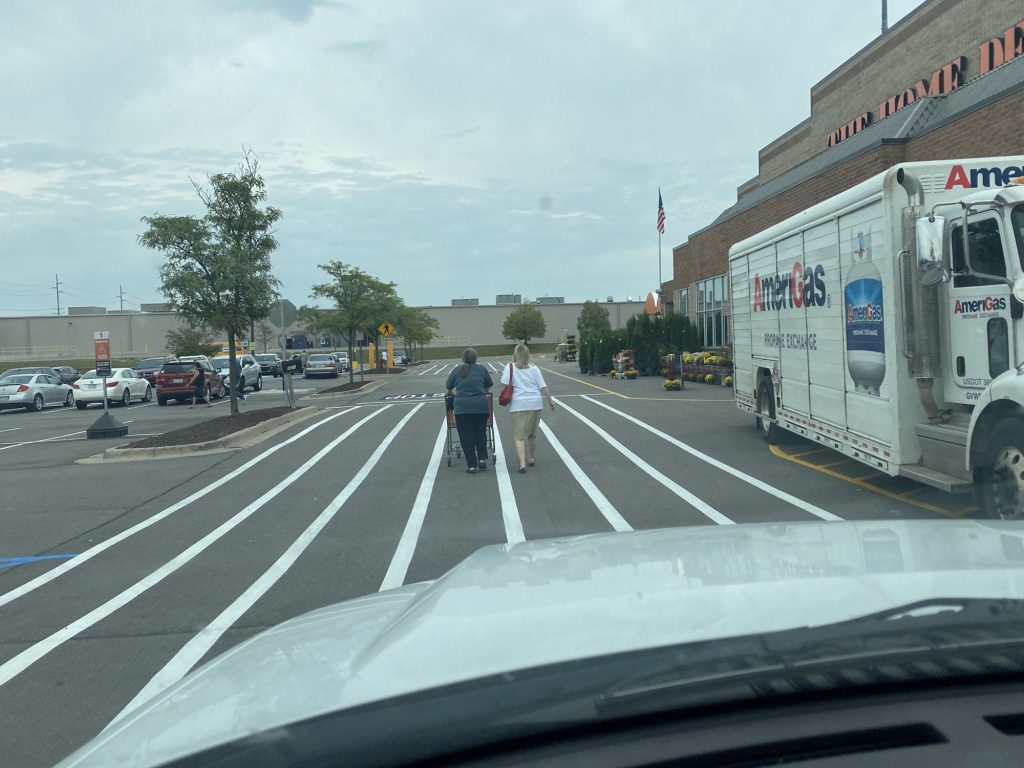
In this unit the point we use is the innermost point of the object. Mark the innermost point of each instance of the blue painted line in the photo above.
(11, 562)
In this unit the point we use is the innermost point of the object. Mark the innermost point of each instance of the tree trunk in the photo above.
(231, 372)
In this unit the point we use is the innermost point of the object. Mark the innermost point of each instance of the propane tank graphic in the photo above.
(865, 321)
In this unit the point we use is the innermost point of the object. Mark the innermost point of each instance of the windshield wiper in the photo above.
(921, 641)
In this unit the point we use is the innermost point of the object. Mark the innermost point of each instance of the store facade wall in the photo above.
(935, 35)
(142, 334)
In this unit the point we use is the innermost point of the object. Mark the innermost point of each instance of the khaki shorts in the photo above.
(525, 423)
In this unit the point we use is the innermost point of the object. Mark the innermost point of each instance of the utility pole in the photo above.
(56, 285)
(885, 16)
(120, 292)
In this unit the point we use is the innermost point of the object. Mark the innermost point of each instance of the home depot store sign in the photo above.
(991, 54)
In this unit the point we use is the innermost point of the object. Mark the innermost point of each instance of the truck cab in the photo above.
(980, 269)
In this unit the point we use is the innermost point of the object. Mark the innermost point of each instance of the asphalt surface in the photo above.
(108, 570)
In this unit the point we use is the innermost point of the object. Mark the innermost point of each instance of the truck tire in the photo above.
(999, 486)
(765, 422)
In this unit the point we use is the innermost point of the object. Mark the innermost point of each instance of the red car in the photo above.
(172, 382)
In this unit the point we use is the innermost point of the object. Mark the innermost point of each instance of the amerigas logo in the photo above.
(984, 177)
(987, 304)
(790, 290)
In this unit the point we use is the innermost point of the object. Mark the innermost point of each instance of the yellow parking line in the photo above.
(866, 486)
(837, 463)
(911, 492)
(809, 453)
(587, 383)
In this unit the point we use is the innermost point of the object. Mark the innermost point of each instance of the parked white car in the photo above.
(123, 386)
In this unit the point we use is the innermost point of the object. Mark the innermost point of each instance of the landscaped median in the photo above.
(214, 436)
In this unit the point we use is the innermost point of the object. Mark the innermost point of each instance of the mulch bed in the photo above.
(348, 386)
(214, 429)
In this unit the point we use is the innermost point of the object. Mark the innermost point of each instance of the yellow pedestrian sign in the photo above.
(386, 329)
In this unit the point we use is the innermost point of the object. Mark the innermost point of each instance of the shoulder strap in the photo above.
(510, 373)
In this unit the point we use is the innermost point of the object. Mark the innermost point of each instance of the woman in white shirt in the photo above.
(528, 394)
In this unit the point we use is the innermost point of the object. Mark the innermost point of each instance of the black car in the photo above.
(68, 375)
(270, 364)
(150, 367)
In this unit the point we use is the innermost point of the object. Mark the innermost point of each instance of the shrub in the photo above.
(632, 373)
(672, 384)
(709, 379)
(727, 381)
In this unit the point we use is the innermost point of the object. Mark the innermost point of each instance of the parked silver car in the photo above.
(34, 391)
(321, 365)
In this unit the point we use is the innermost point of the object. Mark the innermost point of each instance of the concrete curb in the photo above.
(243, 438)
(361, 391)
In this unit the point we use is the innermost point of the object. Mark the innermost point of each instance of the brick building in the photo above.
(946, 82)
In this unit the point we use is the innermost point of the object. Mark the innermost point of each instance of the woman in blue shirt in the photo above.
(470, 383)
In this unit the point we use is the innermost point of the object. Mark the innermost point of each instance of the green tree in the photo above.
(191, 340)
(414, 326)
(360, 303)
(594, 328)
(217, 270)
(523, 323)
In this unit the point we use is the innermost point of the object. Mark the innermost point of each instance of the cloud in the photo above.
(357, 47)
(456, 148)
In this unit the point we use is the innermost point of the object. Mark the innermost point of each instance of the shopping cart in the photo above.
(454, 446)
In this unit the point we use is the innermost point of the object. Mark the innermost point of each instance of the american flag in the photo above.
(661, 215)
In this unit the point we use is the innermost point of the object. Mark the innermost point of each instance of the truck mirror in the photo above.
(931, 260)
(1018, 289)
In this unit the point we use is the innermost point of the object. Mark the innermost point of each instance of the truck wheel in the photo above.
(766, 409)
(999, 489)
(161, 401)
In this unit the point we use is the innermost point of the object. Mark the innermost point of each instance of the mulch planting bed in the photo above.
(348, 386)
(214, 429)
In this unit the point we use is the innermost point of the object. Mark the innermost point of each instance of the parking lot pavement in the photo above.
(116, 579)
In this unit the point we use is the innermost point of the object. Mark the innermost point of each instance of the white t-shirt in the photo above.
(526, 386)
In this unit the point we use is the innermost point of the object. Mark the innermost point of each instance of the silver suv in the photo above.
(249, 371)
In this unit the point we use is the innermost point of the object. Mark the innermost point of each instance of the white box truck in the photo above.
(886, 323)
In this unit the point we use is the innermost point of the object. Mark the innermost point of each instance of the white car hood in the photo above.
(516, 607)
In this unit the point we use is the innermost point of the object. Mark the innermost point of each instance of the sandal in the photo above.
(531, 462)
(522, 470)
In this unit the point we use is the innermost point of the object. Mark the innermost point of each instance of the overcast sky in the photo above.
(458, 148)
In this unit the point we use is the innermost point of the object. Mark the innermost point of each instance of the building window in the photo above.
(711, 323)
(683, 302)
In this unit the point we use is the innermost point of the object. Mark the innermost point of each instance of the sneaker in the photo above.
(482, 466)
(471, 471)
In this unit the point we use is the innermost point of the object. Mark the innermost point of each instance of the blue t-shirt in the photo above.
(471, 389)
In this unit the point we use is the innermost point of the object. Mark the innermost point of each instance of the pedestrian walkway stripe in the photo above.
(399, 567)
(509, 509)
(806, 506)
(203, 641)
(22, 661)
(428, 370)
(90, 553)
(690, 498)
(605, 507)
